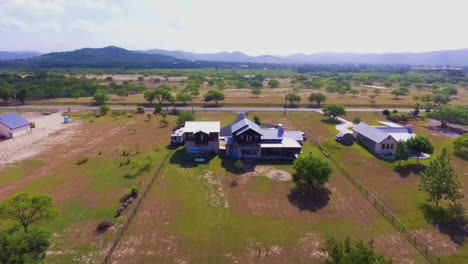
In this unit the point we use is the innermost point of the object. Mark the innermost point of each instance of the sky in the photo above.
(256, 27)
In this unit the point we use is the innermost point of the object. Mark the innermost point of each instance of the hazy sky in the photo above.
(252, 26)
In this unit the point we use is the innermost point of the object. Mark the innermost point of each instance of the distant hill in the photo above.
(15, 55)
(446, 57)
(235, 56)
(115, 58)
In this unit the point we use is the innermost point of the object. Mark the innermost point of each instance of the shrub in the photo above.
(256, 120)
(163, 123)
(82, 161)
(460, 146)
(134, 192)
(174, 111)
(103, 109)
(185, 116)
(395, 111)
(157, 109)
(104, 225)
(356, 120)
(140, 110)
(239, 164)
(386, 112)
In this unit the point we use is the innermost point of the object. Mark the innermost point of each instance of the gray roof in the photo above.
(13, 121)
(370, 132)
(297, 135)
(202, 126)
(243, 125)
(272, 134)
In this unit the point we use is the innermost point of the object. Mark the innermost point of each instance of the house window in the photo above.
(383, 146)
(201, 137)
(391, 146)
(249, 138)
(242, 137)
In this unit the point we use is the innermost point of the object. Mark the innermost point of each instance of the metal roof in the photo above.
(202, 126)
(296, 135)
(370, 132)
(272, 134)
(389, 124)
(13, 120)
(243, 124)
(285, 143)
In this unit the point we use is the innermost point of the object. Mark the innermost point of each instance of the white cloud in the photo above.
(101, 5)
(85, 26)
(42, 7)
(8, 24)
(50, 25)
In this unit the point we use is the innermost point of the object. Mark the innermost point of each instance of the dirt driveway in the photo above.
(50, 130)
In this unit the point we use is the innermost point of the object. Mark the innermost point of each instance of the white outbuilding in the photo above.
(12, 125)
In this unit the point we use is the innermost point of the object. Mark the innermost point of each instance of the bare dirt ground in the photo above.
(268, 171)
(49, 132)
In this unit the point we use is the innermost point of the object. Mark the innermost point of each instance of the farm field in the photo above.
(397, 188)
(206, 213)
(273, 97)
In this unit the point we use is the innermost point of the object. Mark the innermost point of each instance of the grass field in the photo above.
(269, 97)
(213, 213)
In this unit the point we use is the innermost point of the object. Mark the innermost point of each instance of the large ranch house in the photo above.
(244, 139)
(382, 140)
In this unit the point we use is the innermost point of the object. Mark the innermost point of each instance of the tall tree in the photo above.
(399, 92)
(101, 95)
(441, 181)
(257, 91)
(420, 145)
(450, 114)
(19, 247)
(318, 98)
(184, 97)
(26, 208)
(214, 95)
(333, 111)
(401, 152)
(311, 172)
(273, 83)
(293, 98)
(6, 91)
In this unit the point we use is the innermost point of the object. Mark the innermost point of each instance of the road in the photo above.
(229, 109)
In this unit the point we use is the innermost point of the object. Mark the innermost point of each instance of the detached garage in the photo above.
(12, 124)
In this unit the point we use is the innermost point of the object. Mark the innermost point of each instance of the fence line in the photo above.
(378, 204)
(133, 212)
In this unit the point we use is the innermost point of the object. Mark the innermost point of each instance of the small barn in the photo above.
(12, 125)
(345, 138)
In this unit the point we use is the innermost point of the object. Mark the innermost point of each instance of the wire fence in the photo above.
(133, 212)
(378, 204)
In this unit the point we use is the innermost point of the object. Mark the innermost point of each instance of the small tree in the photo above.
(460, 146)
(399, 92)
(372, 99)
(354, 92)
(184, 97)
(386, 112)
(214, 95)
(26, 209)
(103, 109)
(401, 152)
(426, 100)
(256, 120)
(122, 92)
(317, 98)
(6, 91)
(158, 109)
(311, 172)
(101, 96)
(293, 98)
(333, 111)
(419, 145)
(273, 83)
(257, 91)
(356, 120)
(441, 181)
(185, 116)
(345, 252)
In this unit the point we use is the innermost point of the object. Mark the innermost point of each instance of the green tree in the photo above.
(273, 83)
(19, 247)
(256, 84)
(26, 209)
(6, 91)
(333, 111)
(101, 96)
(292, 98)
(401, 152)
(311, 172)
(149, 96)
(185, 116)
(257, 91)
(193, 91)
(426, 100)
(419, 145)
(103, 109)
(399, 92)
(122, 92)
(460, 146)
(441, 181)
(77, 93)
(214, 95)
(256, 120)
(317, 98)
(184, 97)
(163, 94)
(451, 114)
(346, 252)
(354, 92)
(441, 99)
